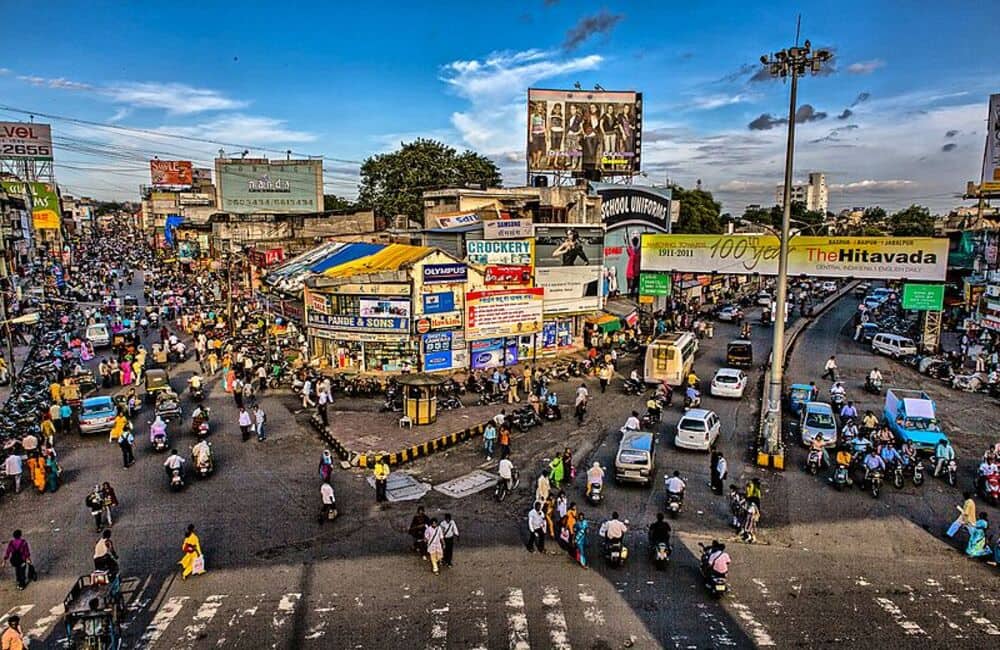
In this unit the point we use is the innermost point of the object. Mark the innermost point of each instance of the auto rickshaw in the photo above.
(156, 381)
(168, 405)
(798, 394)
(739, 353)
(94, 609)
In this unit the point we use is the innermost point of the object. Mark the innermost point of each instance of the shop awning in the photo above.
(289, 275)
(347, 253)
(391, 257)
(605, 322)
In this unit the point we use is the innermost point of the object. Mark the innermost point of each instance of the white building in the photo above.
(813, 194)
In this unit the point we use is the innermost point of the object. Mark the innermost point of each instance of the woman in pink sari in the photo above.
(86, 351)
(126, 368)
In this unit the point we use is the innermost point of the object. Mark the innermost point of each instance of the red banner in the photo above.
(510, 275)
(171, 173)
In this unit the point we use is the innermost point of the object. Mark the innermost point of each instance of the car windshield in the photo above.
(691, 425)
(801, 393)
(819, 420)
(633, 457)
(99, 407)
(726, 379)
(742, 350)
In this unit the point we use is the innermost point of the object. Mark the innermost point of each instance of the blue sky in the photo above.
(900, 120)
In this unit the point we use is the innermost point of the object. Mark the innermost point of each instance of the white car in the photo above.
(764, 299)
(729, 313)
(697, 430)
(829, 286)
(728, 382)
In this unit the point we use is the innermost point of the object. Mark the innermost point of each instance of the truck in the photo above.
(912, 416)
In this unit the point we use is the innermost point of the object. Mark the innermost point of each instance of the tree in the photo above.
(914, 221)
(699, 212)
(393, 183)
(873, 215)
(332, 202)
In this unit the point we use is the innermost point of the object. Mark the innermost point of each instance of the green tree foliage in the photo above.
(873, 215)
(332, 202)
(914, 221)
(699, 212)
(392, 183)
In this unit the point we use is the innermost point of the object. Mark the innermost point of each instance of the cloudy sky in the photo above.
(899, 117)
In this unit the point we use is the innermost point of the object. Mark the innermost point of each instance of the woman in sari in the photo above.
(977, 546)
(126, 368)
(36, 470)
(86, 351)
(51, 472)
(192, 551)
(580, 536)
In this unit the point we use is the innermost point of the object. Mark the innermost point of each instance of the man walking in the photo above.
(381, 479)
(12, 638)
(13, 467)
(126, 442)
(536, 529)
(19, 555)
(582, 394)
(830, 369)
(450, 530)
(322, 400)
(259, 419)
(720, 469)
(245, 423)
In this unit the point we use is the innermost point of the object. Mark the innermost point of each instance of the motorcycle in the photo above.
(897, 476)
(488, 398)
(634, 387)
(692, 402)
(158, 438)
(837, 401)
(716, 583)
(525, 418)
(197, 393)
(596, 494)
(989, 488)
(205, 469)
(675, 502)
(917, 473)
(615, 552)
(661, 555)
(651, 419)
(176, 480)
(873, 386)
(551, 412)
(875, 483)
(814, 461)
(841, 477)
(501, 491)
(950, 470)
(449, 403)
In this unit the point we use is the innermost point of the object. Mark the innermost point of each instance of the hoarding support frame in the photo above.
(930, 338)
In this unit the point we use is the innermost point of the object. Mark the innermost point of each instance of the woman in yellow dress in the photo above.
(192, 551)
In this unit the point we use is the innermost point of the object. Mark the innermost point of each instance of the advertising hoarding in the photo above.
(456, 220)
(923, 297)
(564, 245)
(493, 353)
(570, 289)
(509, 275)
(437, 351)
(384, 307)
(654, 284)
(25, 141)
(582, 130)
(991, 161)
(510, 312)
(913, 258)
(171, 173)
(512, 252)
(45, 211)
(568, 265)
(260, 186)
(445, 273)
(439, 303)
(320, 320)
(507, 228)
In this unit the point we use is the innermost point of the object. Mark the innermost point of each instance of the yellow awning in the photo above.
(390, 258)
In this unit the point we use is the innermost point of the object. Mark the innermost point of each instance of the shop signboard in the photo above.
(45, 211)
(509, 312)
(439, 303)
(261, 186)
(371, 289)
(384, 307)
(923, 297)
(171, 173)
(570, 289)
(508, 275)
(456, 220)
(557, 334)
(991, 160)
(437, 351)
(25, 141)
(456, 273)
(493, 353)
(509, 252)
(507, 228)
(450, 320)
(654, 284)
(319, 320)
(913, 258)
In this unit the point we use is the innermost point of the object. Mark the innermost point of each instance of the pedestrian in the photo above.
(542, 488)
(512, 395)
(246, 422)
(737, 505)
(52, 470)
(213, 362)
(381, 471)
(105, 555)
(830, 369)
(238, 396)
(527, 380)
(12, 639)
(536, 529)
(580, 537)
(259, 419)
(549, 507)
(95, 502)
(605, 375)
(580, 405)
(748, 532)
(418, 528)
(753, 492)
(556, 471)
(489, 439)
(325, 465)
(192, 562)
(13, 468)
(18, 553)
(66, 416)
(569, 472)
(126, 442)
(504, 439)
(306, 393)
(434, 543)
(718, 471)
(110, 501)
(966, 514)
(567, 526)
(450, 531)
(322, 400)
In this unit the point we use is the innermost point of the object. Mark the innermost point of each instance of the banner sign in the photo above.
(25, 141)
(445, 273)
(373, 323)
(923, 297)
(258, 186)
(913, 258)
(439, 303)
(511, 252)
(991, 161)
(569, 245)
(570, 288)
(654, 284)
(493, 353)
(515, 275)
(503, 313)
(45, 212)
(507, 229)
(171, 173)
(634, 205)
(437, 351)
(449, 221)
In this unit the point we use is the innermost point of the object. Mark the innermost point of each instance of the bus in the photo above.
(670, 357)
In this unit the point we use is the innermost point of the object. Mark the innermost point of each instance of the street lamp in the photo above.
(794, 61)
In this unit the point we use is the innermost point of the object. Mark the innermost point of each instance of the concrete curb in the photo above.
(399, 457)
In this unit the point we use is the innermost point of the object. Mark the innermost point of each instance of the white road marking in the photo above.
(517, 621)
(756, 628)
(41, 626)
(909, 627)
(201, 619)
(719, 632)
(286, 607)
(558, 633)
(439, 628)
(20, 610)
(775, 605)
(161, 621)
(954, 627)
(984, 623)
(591, 612)
(235, 621)
(479, 619)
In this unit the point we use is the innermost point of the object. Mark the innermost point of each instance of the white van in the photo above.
(893, 345)
(98, 335)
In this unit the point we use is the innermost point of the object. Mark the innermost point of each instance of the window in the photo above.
(549, 214)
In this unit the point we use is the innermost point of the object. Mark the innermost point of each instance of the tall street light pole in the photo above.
(794, 61)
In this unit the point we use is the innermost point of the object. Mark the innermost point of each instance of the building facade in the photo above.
(814, 193)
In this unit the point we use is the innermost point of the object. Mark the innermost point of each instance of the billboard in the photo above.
(25, 141)
(568, 265)
(259, 186)
(512, 275)
(568, 245)
(393, 308)
(171, 173)
(456, 273)
(511, 252)
(923, 297)
(582, 130)
(913, 258)
(437, 351)
(45, 211)
(439, 303)
(507, 228)
(493, 353)
(509, 312)
(991, 161)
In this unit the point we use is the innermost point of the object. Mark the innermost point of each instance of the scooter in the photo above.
(950, 470)
(651, 419)
(874, 387)
(661, 555)
(918, 473)
(897, 476)
(176, 480)
(158, 438)
(205, 469)
(814, 461)
(692, 402)
(615, 552)
(841, 477)
(837, 401)
(989, 488)
(501, 491)
(197, 393)
(596, 494)
(875, 483)
(550, 412)
(634, 387)
(675, 502)
(716, 583)
(525, 418)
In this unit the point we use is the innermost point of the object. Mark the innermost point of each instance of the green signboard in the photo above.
(270, 187)
(923, 297)
(654, 284)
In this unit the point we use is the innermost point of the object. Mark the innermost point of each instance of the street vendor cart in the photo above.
(94, 609)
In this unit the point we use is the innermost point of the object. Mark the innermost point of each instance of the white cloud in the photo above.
(871, 185)
(249, 129)
(717, 101)
(745, 186)
(866, 67)
(495, 88)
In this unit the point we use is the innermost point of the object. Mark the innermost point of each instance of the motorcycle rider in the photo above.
(613, 530)
(908, 453)
(195, 383)
(595, 475)
(665, 393)
(174, 461)
(818, 444)
(873, 463)
(692, 379)
(692, 395)
(653, 409)
(676, 485)
(844, 460)
(201, 453)
(848, 411)
(632, 423)
(717, 560)
(891, 456)
(659, 532)
(869, 422)
(157, 428)
(850, 430)
(552, 404)
(943, 453)
(837, 390)
(874, 378)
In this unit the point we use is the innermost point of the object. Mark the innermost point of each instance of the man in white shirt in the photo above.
(245, 423)
(675, 484)
(13, 467)
(326, 493)
(830, 369)
(536, 529)
(306, 394)
(632, 423)
(450, 530)
(174, 461)
(506, 471)
(613, 529)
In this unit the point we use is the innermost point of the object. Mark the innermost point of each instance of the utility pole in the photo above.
(794, 61)
(6, 285)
